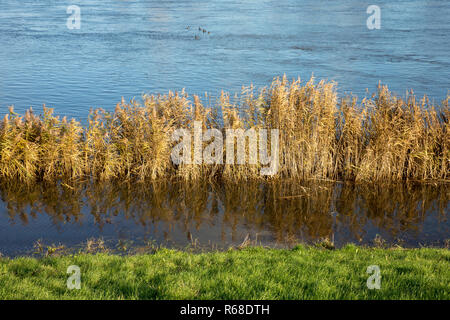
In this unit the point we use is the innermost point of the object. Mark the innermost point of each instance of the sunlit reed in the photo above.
(322, 137)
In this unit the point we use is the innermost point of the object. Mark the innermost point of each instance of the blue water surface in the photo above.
(126, 48)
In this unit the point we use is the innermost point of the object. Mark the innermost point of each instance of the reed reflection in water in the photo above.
(178, 214)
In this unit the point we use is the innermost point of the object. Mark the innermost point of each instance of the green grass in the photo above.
(252, 273)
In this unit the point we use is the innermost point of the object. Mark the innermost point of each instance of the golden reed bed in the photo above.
(321, 136)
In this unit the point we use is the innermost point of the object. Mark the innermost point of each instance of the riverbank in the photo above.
(252, 273)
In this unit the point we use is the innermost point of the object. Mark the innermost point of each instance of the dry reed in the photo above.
(383, 138)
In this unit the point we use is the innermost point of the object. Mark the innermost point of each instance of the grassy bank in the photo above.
(381, 138)
(252, 273)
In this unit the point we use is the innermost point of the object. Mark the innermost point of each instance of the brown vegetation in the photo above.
(382, 138)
